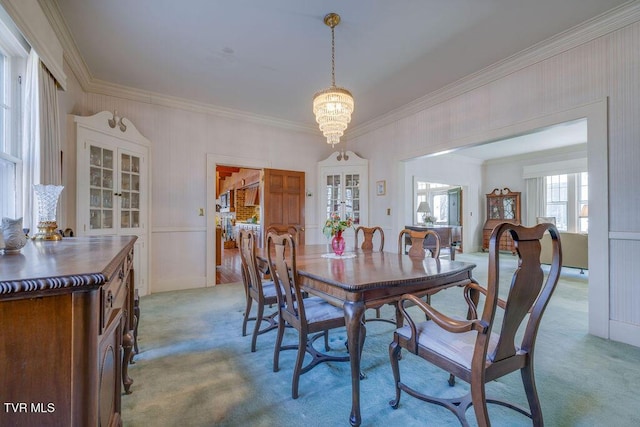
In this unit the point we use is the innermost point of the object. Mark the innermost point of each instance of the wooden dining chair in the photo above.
(482, 349)
(368, 237)
(262, 292)
(417, 238)
(312, 315)
(280, 229)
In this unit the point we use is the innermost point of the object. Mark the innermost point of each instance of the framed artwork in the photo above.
(381, 188)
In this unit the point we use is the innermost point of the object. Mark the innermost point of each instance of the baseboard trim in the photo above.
(627, 333)
(178, 284)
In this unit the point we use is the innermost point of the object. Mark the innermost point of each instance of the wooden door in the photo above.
(284, 194)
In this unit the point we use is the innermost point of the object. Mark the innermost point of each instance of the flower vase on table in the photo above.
(338, 243)
(334, 227)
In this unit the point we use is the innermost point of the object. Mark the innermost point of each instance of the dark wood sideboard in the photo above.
(66, 331)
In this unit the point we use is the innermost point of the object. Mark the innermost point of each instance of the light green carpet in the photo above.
(196, 369)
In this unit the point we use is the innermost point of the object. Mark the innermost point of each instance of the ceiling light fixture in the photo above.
(333, 106)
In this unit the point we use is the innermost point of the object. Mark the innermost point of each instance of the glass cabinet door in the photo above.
(101, 188)
(509, 207)
(129, 191)
(352, 197)
(343, 196)
(334, 195)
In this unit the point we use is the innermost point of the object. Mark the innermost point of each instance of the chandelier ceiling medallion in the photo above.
(333, 106)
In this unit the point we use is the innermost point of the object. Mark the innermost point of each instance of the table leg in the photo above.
(353, 314)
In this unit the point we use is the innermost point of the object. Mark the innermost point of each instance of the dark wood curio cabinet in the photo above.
(503, 205)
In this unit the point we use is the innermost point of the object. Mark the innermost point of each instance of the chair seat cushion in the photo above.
(457, 347)
(318, 310)
(269, 289)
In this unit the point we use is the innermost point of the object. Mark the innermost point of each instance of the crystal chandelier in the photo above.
(333, 106)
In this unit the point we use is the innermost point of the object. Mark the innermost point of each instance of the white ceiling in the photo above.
(269, 57)
(550, 138)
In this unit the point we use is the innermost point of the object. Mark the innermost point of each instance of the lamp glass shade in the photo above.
(424, 207)
(584, 211)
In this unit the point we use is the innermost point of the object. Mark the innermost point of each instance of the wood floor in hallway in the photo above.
(230, 270)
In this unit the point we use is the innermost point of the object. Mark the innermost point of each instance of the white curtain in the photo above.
(40, 136)
(31, 141)
(535, 197)
(50, 161)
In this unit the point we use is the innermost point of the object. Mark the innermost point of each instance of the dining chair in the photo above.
(483, 349)
(417, 238)
(281, 228)
(417, 250)
(312, 315)
(262, 292)
(368, 237)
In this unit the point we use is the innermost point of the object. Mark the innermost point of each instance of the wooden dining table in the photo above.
(359, 280)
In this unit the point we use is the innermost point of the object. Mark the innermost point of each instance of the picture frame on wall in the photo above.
(381, 188)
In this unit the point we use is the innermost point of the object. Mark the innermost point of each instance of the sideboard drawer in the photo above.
(114, 295)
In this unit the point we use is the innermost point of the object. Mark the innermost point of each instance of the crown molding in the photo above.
(91, 85)
(71, 54)
(612, 20)
(101, 87)
(598, 26)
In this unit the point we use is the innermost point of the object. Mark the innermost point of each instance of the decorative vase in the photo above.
(12, 238)
(47, 197)
(338, 243)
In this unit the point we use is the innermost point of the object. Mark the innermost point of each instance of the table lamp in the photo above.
(425, 210)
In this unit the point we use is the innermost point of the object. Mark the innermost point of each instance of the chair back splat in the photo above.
(368, 236)
(417, 238)
(480, 349)
(282, 229)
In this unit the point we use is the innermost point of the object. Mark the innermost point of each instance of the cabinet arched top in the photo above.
(109, 123)
(352, 159)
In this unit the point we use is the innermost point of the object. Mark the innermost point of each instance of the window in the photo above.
(437, 197)
(583, 201)
(566, 195)
(12, 64)
(557, 199)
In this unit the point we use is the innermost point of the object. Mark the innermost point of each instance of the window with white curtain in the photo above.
(12, 65)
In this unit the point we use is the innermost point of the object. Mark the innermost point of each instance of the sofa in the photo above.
(574, 250)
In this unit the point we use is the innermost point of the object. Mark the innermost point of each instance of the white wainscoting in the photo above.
(624, 252)
(178, 258)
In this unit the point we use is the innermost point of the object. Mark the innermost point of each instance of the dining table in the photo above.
(357, 280)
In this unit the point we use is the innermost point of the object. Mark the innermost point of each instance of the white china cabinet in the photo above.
(343, 189)
(112, 194)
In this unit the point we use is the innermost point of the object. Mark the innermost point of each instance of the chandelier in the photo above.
(333, 106)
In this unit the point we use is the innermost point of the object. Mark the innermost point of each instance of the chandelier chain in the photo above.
(333, 106)
(333, 57)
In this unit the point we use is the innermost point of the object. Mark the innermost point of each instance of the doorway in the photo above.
(288, 204)
(598, 238)
(238, 193)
